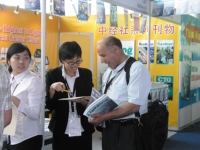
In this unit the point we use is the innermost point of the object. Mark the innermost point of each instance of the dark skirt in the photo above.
(34, 143)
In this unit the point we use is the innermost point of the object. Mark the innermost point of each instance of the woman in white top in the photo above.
(26, 90)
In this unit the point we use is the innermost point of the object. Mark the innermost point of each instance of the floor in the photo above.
(96, 145)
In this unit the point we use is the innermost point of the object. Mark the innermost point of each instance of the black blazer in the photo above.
(83, 87)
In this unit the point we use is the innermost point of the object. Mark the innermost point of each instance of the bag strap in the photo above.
(127, 67)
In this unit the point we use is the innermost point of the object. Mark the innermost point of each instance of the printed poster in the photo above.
(83, 10)
(142, 51)
(165, 52)
(32, 4)
(158, 7)
(136, 21)
(59, 7)
(143, 25)
(169, 81)
(189, 61)
(168, 8)
(181, 6)
(126, 17)
(100, 14)
(3, 53)
(128, 47)
(113, 16)
(186, 75)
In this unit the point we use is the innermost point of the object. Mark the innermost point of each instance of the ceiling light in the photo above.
(51, 15)
(16, 11)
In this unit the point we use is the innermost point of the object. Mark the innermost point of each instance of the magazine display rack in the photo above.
(159, 90)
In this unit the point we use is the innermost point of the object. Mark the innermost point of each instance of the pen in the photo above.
(70, 93)
(67, 91)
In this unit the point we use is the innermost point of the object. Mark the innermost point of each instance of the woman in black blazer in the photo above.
(70, 128)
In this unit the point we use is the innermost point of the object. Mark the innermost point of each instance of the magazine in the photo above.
(101, 105)
(95, 94)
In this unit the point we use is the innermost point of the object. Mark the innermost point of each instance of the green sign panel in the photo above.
(167, 80)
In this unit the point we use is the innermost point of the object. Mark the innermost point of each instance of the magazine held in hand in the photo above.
(101, 104)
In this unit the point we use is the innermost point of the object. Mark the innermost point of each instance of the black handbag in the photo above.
(151, 128)
(52, 122)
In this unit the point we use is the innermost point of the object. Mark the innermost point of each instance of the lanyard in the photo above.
(15, 86)
(71, 95)
(17, 83)
(108, 83)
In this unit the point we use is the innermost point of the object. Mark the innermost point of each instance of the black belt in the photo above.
(122, 121)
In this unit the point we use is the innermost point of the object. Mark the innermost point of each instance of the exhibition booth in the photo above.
(167, 46)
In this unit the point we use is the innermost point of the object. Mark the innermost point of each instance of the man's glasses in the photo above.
(77, 62)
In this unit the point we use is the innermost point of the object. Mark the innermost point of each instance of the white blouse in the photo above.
(28, 88)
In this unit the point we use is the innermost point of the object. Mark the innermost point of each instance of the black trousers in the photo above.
(34, 143)
(118, 135)
(64, 142)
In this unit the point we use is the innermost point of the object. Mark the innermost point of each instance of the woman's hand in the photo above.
(57, 86)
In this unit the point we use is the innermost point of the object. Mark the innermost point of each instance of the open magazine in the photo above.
(99, 104)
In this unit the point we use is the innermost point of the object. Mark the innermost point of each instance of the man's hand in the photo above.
(97, 119)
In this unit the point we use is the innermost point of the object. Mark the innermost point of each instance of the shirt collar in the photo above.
(119, 66)
(66, 76)
(20, 76)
